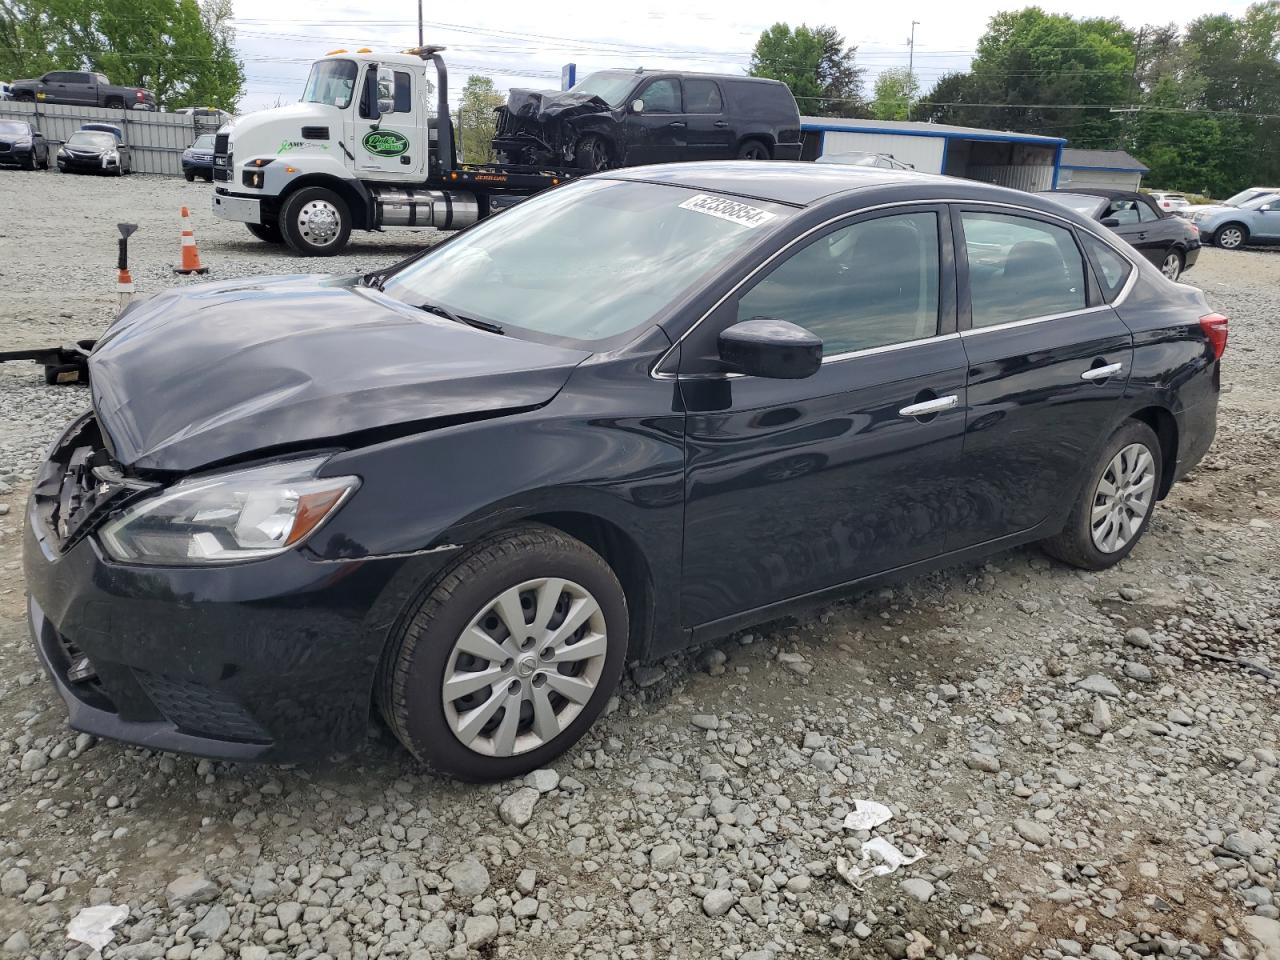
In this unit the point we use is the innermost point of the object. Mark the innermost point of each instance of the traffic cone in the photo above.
(124, 280)
(190, 253)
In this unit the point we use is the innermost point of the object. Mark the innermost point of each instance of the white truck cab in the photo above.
(369, 145)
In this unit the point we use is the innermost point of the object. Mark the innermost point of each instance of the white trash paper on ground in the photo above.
(92, 925)
(892, 858)
(867, 815)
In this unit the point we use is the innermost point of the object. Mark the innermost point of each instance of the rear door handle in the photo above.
(926, 408)
(676, 123)
(722, 123)
(1102, 373)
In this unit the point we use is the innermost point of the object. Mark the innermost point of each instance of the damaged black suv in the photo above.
(618, 118)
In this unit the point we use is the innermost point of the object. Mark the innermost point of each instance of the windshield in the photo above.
(331, 82)
(1081, 203)
(204, 142)
(610, 87)
(14, 128)
(83, 139)
(587, 261)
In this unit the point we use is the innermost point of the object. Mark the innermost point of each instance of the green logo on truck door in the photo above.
(385, 143)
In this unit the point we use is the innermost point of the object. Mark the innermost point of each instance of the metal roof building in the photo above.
(1022, 160)
(1101, 168)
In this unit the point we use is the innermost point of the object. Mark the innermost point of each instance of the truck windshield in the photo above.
(587, 261)
(610, 87)
(331, 82)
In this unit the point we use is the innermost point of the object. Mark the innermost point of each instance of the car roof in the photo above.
(803, 184)
(696, 74)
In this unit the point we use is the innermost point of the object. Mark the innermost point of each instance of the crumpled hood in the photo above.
(204, 374)
(543, 105)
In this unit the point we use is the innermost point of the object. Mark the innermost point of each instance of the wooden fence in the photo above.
(156, 140)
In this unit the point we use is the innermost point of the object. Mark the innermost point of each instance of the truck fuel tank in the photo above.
(442, 209)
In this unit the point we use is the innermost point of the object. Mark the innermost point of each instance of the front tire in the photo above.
(1114, 507)
(315, 222)
(1171, 266)
(1231, 236)
(509, 658)
(591, 154)
(190, 175)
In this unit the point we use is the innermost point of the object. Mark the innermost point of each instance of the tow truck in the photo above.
(364, 149)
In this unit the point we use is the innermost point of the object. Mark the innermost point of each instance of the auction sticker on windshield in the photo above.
(726, 209)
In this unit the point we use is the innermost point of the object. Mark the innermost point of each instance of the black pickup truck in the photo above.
(83, 89)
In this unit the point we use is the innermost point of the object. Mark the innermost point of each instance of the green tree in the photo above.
(181, 50)
(815, 63)
(475, 120)
(895, 90)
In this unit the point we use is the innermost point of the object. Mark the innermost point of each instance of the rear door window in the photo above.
(702, 96)
(1020, 268)
(1112, 269)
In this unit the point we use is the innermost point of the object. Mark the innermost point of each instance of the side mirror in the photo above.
(386, 106)
(637, 106)
(767, 347)
(1110, 222)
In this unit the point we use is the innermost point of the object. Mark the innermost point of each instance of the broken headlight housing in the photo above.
(229, 517)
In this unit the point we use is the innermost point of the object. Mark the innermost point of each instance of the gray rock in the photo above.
(17, 945)
(664, 856)
(1138, 671)
(1137, 637)
(479, 930)
(288, 913)
(33, 760)
(517, 809)
(469, 877)
(436, 934)
(647, 675)
(823, 761)
(190, 889)
(983, 762)
(705, 721)
(1101, 952)
(212, 925)
(1097, 683)
(917, 887)
(527, 880)
(544, 780)
(254, 952)
(1101, 715)
(1244, 843)
(717, 903)
(1033, 832)
(13, 882)
(642, 902)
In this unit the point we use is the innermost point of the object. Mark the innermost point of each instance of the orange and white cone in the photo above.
(124, 286)
(190, 253)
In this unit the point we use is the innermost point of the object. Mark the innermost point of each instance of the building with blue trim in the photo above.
(1021, 160)
(1113, 169)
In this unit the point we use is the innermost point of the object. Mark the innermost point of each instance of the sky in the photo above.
(519, 44)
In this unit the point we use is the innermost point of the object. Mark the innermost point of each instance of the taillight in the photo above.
(1215, 328)
(139, 94)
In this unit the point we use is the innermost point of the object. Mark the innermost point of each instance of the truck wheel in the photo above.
(753, 150)
(190, 175)
(114, 103)
(315, 222)
(592, 153)
(266, 232)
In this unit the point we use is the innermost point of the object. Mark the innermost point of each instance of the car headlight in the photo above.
(229, 517)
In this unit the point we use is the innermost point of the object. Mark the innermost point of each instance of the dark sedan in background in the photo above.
(636, 411)
(197, 159)
(22, 145)
(1169, 241)
(94, 151)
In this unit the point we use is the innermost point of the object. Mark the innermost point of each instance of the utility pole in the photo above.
(419, 23)
(911, 49)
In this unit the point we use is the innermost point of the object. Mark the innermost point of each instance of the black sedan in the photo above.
(22, 145)
(94, 151)
(1169, 241)
(636, 411)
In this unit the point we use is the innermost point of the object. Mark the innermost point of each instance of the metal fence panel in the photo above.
(156, 140)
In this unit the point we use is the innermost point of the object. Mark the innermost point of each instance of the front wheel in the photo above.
(266, 232)
(1231, 237)
(190, 175)
(509, 658)
(315, 222)
(1171, 266)
(1114, 507)
(592, 153)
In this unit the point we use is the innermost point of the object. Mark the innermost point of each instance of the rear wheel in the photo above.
(315, 222)
(1171, 266)
(1231, 236)
(1115, 505)
(592, 153)
(114, 103)
(266, 232)
(753, 150)
(510, 657)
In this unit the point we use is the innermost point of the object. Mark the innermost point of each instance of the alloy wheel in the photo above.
(319, 222)
(524, 667)
(1123, 498)
(1172, 266)
(1230, 238)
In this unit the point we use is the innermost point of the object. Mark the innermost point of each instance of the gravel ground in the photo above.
(1085, 764)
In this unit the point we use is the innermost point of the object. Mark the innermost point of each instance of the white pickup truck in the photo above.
(366, 148)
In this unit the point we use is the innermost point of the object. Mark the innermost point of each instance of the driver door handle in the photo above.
(928, 407)
(676, 123)
(1102, 373)
(722, 123)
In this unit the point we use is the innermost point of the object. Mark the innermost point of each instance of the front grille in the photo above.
(80, 483)
(199, 710)
(5, 146)
(220, 143)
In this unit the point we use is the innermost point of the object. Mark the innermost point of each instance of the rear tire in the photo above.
(1231, 236)
(530, 573)
(1115, 504)
(1172, 265)
(315, 222)
(266, 232)
(114, 103)
(753, 150)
